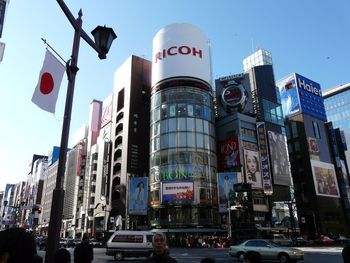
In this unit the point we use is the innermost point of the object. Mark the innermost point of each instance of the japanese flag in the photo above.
(50, 78)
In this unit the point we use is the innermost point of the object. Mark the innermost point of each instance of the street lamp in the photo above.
(105, 37)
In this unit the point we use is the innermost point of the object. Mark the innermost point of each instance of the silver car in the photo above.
(268, 250)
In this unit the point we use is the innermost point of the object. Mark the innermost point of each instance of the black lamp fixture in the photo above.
(104, 37)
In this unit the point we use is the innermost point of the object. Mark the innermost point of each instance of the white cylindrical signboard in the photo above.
(180, 50)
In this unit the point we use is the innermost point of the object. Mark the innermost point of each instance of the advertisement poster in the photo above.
(289, 96)
(179, 191)
(313, 148)
(226, 191)
(138, 196)
(264, 158)
(325, 179)
(279, 158)
(252, 168)
(228, 153)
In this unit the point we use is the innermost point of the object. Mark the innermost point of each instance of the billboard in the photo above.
(252, 168)
(301, 95)
(138, 196)
(180, 50)
(289, 96)
(325, 180)
(279, 158)
(226, 191)
(264, 158)
(313, 147)
(178, 192)
(228, 153)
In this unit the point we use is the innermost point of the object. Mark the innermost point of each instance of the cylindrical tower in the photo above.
(183, 184)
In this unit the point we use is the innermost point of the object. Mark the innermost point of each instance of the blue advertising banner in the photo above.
(226, 191)
(264, 158)
(178, 191)
(310, 96)
(138, 196)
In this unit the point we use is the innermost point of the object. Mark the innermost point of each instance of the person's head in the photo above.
(62, 255)
(252, 163)
(208, 260)
(140, 185)
(346, 254)
(226, 178)
(159, 243)
(16, 245)
(252, 257)
(86, 237)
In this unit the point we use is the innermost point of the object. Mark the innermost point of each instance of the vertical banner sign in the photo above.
(264, 158)
(138, 196)
(228, 153)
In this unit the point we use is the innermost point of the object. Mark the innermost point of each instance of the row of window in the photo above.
(166, 111)
(273, 112)
(181, 94)
(183, 139)
(182, 124)
(182, 156)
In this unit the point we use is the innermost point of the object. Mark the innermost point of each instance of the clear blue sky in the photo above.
(309, 37)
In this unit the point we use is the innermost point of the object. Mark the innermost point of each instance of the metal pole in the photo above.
(229, 218)
(58, 192)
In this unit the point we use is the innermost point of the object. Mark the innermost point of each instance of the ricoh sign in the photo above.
(180, 51)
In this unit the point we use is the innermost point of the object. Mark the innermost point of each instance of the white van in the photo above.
(125, 243)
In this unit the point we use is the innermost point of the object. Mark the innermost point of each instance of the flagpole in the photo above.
(58, 192)
(103, 38)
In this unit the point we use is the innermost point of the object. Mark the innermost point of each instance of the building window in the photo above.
(316, 130)
(120, 100)
(294, 130)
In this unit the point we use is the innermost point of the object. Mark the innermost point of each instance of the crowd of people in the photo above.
(197, 241)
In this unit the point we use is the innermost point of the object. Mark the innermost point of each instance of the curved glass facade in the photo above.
(182, 156)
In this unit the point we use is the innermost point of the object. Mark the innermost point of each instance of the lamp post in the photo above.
(103, 39)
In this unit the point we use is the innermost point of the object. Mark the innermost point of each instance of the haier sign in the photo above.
(301, 95)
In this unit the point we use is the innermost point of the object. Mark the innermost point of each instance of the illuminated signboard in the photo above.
(178, 192)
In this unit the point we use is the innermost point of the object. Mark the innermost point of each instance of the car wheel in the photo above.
(240, 256)
(283, 258)
(118, 256)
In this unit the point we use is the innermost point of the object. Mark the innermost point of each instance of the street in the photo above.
(184, 255)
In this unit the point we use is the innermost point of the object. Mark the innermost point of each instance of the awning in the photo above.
(189, 230)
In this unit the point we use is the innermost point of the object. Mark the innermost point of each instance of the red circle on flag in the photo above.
(46, 83)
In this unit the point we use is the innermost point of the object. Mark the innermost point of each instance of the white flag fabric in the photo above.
(50, 78)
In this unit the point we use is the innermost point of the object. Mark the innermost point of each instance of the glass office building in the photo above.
(183, 184)
(337, 104)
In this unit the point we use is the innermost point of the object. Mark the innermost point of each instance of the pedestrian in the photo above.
(208, 260)
(17, 246)
(84, 252)
(62, 255)
(252, 257)
(160, 254)
(346, 254)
